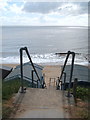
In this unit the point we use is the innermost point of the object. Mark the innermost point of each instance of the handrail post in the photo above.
(71, 73)
(68, 53)
(37, 83)
(57, 84)
(61, 85)
(72, 66)
(49, 81)
(64, 80)
(32, 76)
(54, 81)
(21, 65)
(74, 89)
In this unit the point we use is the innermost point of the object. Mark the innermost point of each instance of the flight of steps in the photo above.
(42, 103)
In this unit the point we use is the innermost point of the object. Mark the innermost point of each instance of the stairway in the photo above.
(42, 103)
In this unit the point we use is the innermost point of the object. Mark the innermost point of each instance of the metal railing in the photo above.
(52, 80)
(21, 67)
(71, 71)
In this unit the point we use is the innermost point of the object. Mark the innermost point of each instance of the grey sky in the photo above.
(43, 13)
(47, 7)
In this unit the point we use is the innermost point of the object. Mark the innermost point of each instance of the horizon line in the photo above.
(42, 26)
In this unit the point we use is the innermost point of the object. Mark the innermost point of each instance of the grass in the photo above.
(9, 88)
(82, 102)
(83, 94)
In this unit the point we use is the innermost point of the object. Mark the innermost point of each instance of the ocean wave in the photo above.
(44, 59)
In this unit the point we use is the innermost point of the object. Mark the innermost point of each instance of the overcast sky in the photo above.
(43, 13)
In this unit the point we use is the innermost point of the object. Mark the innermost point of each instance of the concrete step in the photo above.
(42, 103)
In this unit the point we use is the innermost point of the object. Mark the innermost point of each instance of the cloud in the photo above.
(16, 9)
(46, 20)
(44, 13)
(40, 7)
(3, 5)
(59, 7)
(9, 7)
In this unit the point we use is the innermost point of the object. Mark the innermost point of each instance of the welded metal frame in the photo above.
(21, 66)
(71, 72)
(32, 74)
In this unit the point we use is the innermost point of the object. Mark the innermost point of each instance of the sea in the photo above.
(43, 42)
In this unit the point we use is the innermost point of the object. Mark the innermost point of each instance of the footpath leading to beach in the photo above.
(43, 103)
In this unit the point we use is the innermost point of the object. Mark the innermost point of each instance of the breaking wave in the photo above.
(44, 59)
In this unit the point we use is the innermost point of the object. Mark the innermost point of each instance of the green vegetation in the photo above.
(9, 88)
(12, 86)
(82, 102)
(82, 93)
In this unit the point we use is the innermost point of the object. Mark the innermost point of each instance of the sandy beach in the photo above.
(51, 72)
(10, 65)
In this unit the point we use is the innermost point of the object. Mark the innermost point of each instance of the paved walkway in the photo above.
(42, 103)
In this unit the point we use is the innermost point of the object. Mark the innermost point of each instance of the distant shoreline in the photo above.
(10, 65)
(42, 64)
(38, 26)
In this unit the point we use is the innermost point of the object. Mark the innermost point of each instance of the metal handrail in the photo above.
(64, 80)
(65, 64)
(21, 66)
(71, 73)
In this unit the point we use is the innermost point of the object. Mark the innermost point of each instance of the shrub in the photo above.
(82, 93)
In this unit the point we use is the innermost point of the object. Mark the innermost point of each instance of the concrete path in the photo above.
(42, 103)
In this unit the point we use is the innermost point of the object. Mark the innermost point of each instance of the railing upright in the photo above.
(64, 80)
(32, 72)
(21, 67)
(71, 73)
(68, 53)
